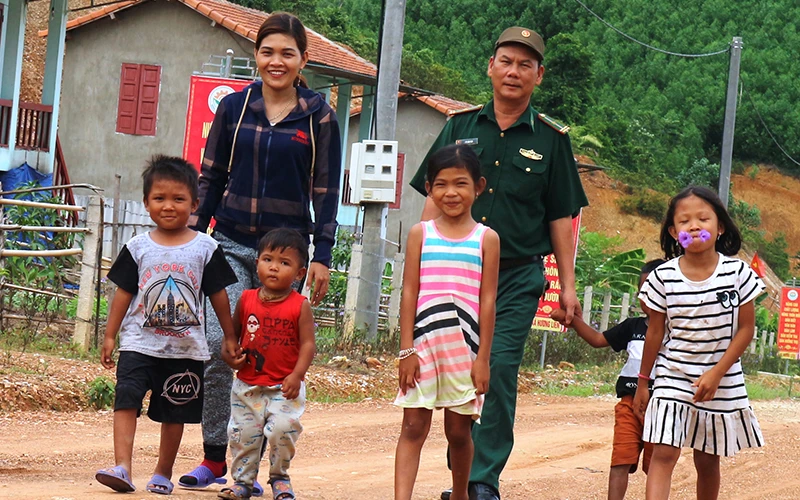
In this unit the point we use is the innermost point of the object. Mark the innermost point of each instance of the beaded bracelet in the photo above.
(407, 353)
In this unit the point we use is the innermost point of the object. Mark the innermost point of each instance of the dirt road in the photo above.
(347, 452)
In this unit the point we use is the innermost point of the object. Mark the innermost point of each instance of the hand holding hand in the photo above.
(233, 355)
(559, 315)
(570, 304)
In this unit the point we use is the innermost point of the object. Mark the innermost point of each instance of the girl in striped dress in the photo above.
(446, 319)
(703, 319)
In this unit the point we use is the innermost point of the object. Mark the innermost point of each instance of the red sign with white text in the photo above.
(549, 300)
(205, 93)
(788, 335)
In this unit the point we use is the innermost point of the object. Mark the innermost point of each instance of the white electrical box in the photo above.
(373, 171)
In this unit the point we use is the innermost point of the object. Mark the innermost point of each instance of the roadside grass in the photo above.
(582, 380)
(762, 387)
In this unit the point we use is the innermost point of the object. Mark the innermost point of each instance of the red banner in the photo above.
(549, 300)
(205, 93)
(788, 339)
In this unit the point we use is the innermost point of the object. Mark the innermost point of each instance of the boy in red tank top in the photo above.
(272, 348)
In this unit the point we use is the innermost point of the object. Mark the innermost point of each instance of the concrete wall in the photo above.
(418, 125)
(167, 34)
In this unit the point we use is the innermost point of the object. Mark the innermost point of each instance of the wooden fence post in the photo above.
(763, 341)
(83, 317)
(754, 342)
(587, 304)
(626, 307)
(606, 311)
(397, 289)
(353, 282)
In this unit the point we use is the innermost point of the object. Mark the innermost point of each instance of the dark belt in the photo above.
(522, 261)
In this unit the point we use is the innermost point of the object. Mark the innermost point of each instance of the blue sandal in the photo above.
(200, 477)
(282, 489)
(235, 492)
(116, 478)
(160, 485)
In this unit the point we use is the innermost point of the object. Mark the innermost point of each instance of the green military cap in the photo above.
(524, 36)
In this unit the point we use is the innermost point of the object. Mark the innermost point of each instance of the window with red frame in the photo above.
(137, 109)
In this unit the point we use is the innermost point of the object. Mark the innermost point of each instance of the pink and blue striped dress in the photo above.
(446, 333)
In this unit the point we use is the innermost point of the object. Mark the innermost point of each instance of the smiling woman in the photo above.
(273, 150)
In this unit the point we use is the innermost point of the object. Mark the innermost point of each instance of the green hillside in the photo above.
(647, 114)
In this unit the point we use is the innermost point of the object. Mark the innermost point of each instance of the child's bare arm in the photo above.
(584, 331)
(308, 348)
(488, 307)
(709, 381)
(652, 343)
(119, 306)
(231, 349)
(408, 369)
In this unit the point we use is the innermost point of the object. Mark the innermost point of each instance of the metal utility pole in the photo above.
(730, 120)
(375, 214)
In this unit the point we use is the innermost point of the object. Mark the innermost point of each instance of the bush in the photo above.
(564, 347)
(101, 393)
(701, 173)
(647, 203)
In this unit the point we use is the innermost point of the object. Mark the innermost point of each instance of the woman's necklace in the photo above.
(274, 119)
(265, 296)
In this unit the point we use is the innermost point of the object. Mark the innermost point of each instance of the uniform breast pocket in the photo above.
(526, 179)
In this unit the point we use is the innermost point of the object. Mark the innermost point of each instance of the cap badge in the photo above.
(525, 33)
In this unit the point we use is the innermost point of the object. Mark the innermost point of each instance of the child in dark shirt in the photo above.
(628, 442)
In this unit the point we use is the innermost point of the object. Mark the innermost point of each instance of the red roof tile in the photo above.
(440, 103)
(245, 22)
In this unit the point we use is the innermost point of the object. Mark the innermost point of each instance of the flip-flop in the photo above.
(236, 491)
(282, 489)
(258, 491)
(115, 478)
(200, 477)
(160, 485)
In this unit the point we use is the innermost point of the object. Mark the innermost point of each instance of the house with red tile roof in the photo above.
(151, 49)
(167, 41)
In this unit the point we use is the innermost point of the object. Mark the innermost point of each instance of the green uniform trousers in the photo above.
(518, 293)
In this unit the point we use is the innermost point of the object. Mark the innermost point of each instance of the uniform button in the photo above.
(497, 163)
(483, 219)
(491, 190)
(502, 134)
(528, 169)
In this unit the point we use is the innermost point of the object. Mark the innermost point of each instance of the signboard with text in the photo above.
(205, 93)
(788, 339)
(549, 300)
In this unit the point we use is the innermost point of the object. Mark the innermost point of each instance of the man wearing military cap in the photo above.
(532, 193)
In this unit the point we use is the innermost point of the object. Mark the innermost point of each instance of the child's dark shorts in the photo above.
(628, 442)
(176, 385)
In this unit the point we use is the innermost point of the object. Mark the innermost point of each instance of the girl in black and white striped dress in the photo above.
(703, 320)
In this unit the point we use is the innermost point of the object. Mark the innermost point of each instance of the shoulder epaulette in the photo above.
(560, 128)
(466, 110)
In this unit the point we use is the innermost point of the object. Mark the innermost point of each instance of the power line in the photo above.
(648, 45)
(753, 104)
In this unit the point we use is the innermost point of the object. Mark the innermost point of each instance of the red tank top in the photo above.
(270, 337)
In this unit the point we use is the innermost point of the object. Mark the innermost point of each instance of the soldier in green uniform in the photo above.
(532, 193)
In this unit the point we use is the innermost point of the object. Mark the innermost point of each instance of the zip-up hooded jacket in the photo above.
(268, 185)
